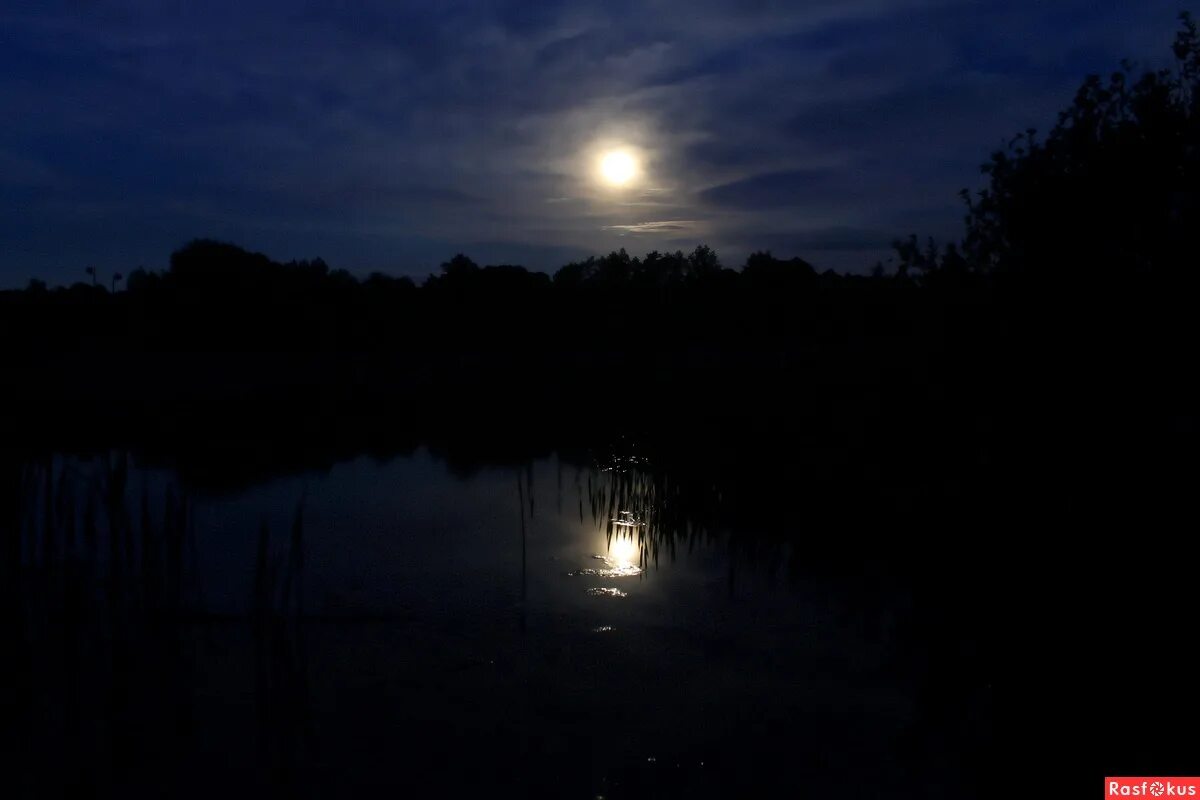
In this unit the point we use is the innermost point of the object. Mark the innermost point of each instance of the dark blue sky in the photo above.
(390, 135)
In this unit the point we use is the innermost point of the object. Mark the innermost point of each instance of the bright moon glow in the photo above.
(622, 550)
(618, 168)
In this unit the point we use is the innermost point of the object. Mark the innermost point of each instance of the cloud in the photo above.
(414, 126)
(653, 227)
(793, 187)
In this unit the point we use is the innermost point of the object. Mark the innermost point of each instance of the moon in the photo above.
(618, 167)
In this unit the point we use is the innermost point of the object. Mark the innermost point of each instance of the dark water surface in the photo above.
(543, 629)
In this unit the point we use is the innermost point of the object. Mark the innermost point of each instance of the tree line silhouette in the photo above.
(1108, 199)
(215, 293)
(1076, 262)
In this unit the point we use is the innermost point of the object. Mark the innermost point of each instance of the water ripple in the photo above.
(612, 569)
(605, 591)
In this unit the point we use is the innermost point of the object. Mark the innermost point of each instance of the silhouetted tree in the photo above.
(669, 269)
(142, 281)
(459, 266)
(615, 269)
(575, 274)
(763, 272)
(703, 262)
(1110, 194)
(207, 267)
(378, 283)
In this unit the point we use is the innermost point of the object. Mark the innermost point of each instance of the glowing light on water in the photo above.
(613, 571)
(626, 519)
(605, 591)
(624, 464)
(622, 551)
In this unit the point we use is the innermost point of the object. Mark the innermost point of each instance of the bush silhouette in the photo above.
(1110, 195)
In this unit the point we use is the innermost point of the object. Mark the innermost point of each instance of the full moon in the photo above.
(618, 167)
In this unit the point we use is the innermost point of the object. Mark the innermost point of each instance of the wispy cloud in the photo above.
(661, 226)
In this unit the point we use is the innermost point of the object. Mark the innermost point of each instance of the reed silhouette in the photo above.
(103, 624)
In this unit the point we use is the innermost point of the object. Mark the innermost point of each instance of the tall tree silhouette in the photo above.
(1110, 193)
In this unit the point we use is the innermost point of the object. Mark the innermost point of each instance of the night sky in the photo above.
(387, 135)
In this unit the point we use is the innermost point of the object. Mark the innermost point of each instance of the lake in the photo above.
(563, 626)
